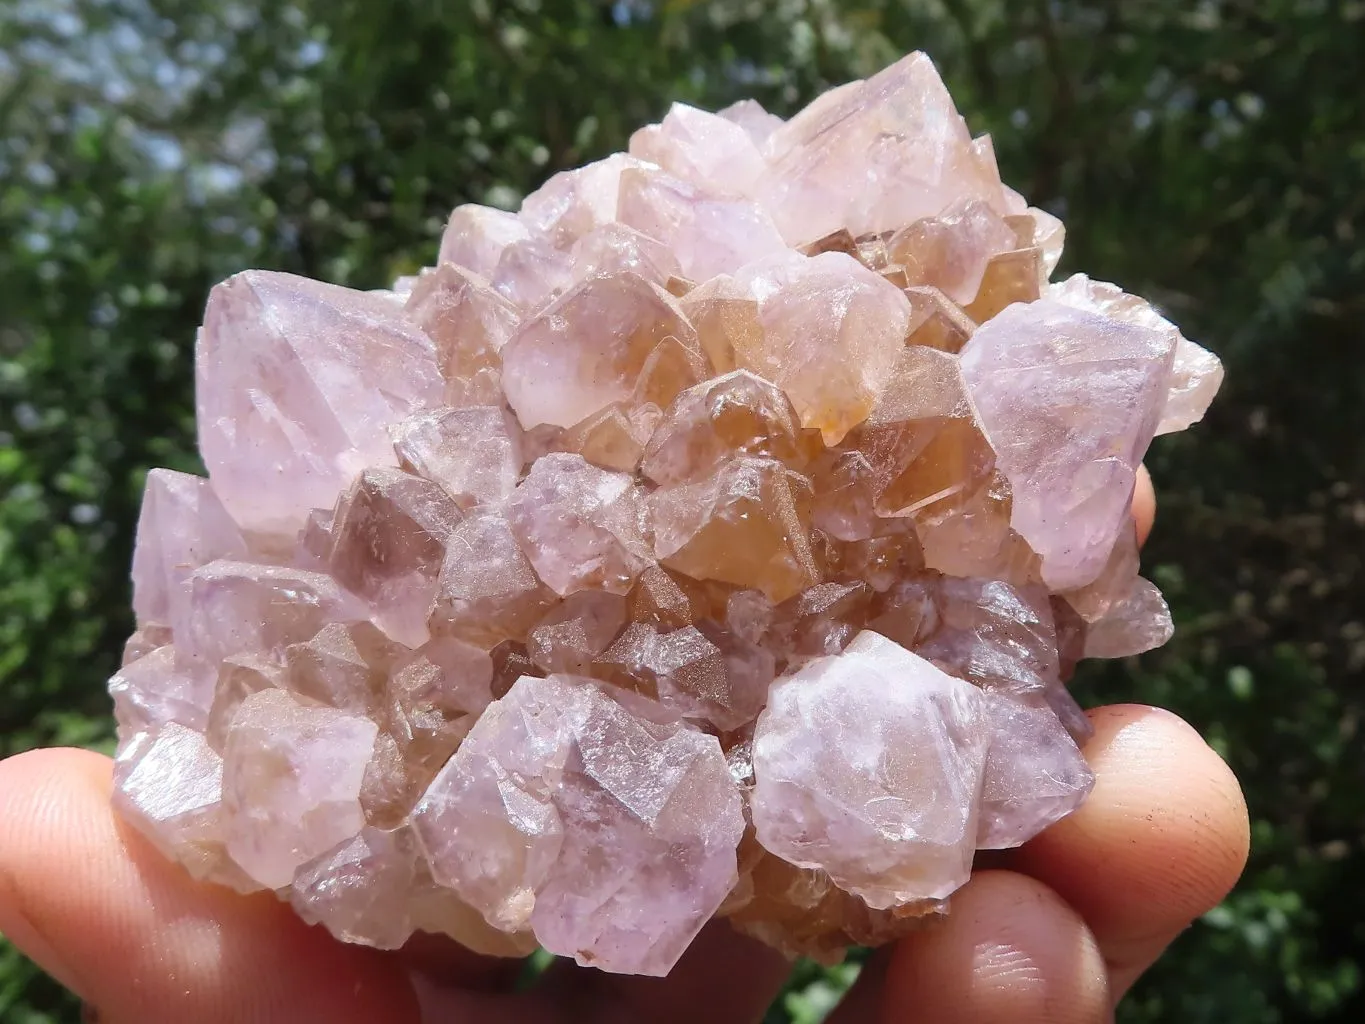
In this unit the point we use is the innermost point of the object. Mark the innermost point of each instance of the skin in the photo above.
(1054, 932)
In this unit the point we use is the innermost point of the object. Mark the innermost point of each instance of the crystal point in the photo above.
(297, 385)
(1034, 773)
(476, 236)
(1070, 400)
(291, 783)
(705, 149)
(1196, 373)
(518, 824)
(746, 525)
(873, 156)
(580, 526)
(827, 332)
(586, 349)
(868, 765)
(468, 322)
(473, 453)
(170, 785)
(183, 525)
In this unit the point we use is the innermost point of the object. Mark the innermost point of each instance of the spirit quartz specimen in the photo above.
(714, 537)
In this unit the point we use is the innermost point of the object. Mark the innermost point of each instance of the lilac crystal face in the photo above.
(612, 837)
(712, 537)
(868, 765)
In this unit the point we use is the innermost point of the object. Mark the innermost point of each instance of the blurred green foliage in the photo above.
(1210, 154)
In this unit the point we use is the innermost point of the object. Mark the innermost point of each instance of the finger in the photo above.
(1010, 950)
(444, 962)
(1144, 505)
(733, 977)
(862, 1003)
(1161, 840)
(133, 935)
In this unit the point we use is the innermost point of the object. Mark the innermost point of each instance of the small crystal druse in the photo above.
(711, 538)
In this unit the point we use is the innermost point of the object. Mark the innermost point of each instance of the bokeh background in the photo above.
(1207, 153)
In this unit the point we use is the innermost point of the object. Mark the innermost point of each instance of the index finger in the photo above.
(1162, 839)
(135, 936)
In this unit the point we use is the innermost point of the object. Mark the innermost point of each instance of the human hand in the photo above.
(1053, 932)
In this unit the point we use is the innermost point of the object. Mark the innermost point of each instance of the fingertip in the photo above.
(1144, 505)
(1011, 950)
(1157, 770)
(134, 935)
(31, 797)
(1162, 839)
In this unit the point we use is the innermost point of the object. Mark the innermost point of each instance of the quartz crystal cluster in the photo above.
(713, 537)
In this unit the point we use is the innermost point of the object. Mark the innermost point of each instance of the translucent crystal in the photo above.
(1010, 277)
(234, 607)
(712, 537)
(169, 783)
(183, 525)
(613, 438)
(923, 442)
(747, 525)
(757, 123)
(1034, 774)
(1196, 373)
(738, 413)
(580, 526)
(827, 332)
(1137, 623)
(868, 765)
(476, 236)
(388, 542)
(164, 685)
(297, 384)
(1068, 437)
(572, 203)
(239, 677)
(703, 148)
(614, 248)
(573, 634)
(613, 837)
(532, 273)
(951, 251)
(291, 783)
(359, 890)
(710, 234)
(874, 156)
(487, 590)
(819, 621)
(801, 912)
(999, 636)
(474, 453)
(586, 350)
(469, 322)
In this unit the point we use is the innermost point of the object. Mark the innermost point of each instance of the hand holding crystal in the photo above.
(694, 557)
(1055, 931)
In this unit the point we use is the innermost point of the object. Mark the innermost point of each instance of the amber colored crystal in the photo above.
(937, 322)
(469, 323)
(802, 913)
(726, 321)
(1009, 278)
(747, 525)
(612, 438)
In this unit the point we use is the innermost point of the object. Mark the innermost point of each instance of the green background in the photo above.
(1207, 153)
